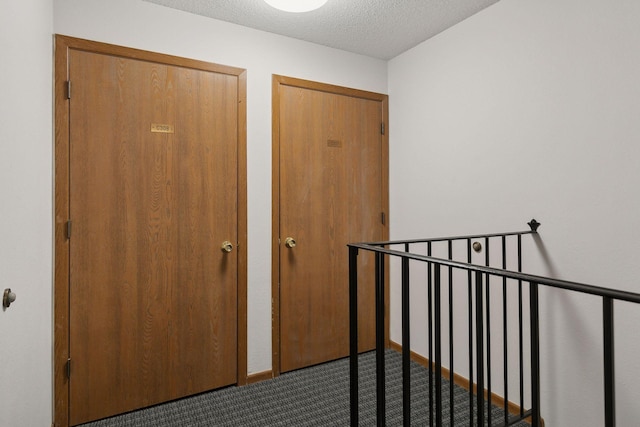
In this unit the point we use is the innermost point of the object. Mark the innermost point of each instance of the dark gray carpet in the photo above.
(316, 396)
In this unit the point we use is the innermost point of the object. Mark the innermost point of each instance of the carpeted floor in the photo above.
(316, 396)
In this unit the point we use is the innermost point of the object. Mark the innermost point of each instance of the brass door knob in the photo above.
(226, 246)
(290, 242)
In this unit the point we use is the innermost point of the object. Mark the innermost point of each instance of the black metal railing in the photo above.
(446, 275)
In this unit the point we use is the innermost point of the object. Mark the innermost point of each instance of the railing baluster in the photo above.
(505, 331)
(488, 317)
(520, 333)
(470, 308)
(406, 345)
(380, 371)
(438, 328)
(479, 350)
(353, 334)
(451, 371)
(535, 355)
(609, 363)
(430, 314)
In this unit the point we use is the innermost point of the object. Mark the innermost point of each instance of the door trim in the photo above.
(61, 202)
(277, 82)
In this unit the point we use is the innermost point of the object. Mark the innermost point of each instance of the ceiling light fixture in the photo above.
(296, 6)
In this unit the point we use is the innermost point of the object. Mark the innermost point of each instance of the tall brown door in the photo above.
(331, 192)
(153, 195)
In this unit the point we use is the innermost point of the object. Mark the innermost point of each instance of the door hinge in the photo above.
(68, 89)
(69, 229)
(68, 368)
(383, 218)
(382, 128)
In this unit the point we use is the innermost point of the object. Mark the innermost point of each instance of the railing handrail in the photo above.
(533, 224)
(444, 239)
(541, 280)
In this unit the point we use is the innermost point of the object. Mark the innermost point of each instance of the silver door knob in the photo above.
(8, 298)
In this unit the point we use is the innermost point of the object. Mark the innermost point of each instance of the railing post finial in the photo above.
(534, 225)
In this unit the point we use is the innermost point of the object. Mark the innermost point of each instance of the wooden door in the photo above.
(153, 194)
(331, 192)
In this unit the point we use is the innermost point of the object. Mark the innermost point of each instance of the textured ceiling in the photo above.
(377, 28)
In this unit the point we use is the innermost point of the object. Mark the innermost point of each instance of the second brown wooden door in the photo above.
(331, 185)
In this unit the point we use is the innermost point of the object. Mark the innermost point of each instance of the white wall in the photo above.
(26, 211)
(151, 27)
(527, 109)
(531, 109)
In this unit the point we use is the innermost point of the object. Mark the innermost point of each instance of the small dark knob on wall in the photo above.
(8, 298)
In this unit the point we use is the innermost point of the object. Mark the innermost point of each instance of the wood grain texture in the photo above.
(153, 303)
(241, 221)
(259, 377)
(61, 244)
(275, 225)
(329, 192)
(153, 299)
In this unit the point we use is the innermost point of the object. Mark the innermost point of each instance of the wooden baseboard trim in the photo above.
(259, 377)
(463, 382)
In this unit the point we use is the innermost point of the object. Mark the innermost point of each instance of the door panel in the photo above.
(330, 194)
(152, 195)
